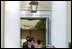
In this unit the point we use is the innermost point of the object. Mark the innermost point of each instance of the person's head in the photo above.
(32, 42)
(29, 41)
(27, 37)
(38, 41)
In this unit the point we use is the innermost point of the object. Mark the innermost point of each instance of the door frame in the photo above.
(48, 27)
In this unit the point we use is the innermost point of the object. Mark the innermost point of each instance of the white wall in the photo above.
(12, 24)
(58, 25)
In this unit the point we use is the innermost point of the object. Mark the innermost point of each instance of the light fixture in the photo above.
(34, 5)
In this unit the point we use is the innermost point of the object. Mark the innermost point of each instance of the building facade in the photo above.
(57, 34)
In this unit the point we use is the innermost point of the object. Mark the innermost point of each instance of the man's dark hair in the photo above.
(29, 40)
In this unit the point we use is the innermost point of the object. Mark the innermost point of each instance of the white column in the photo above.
(47, 29)
(12, 24)
(58, 25)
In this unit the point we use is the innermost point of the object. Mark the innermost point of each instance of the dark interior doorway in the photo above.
(33, 27)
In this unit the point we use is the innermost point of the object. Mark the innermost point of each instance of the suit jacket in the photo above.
(25, 45)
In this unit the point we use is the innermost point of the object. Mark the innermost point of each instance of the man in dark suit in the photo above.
(28, 44)
(25, 43)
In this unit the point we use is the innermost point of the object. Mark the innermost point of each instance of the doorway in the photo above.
(33, 27)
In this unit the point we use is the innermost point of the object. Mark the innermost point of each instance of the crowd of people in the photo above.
(30, 43)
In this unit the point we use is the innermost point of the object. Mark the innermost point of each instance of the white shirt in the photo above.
(29, 46)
